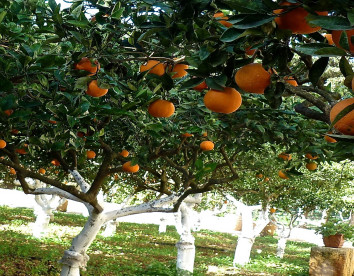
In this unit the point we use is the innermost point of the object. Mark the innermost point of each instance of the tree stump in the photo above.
(328, 261)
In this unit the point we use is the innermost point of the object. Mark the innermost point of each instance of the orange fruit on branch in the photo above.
(86, 64)
(310, 156)
(346, 124)
(253, 78)
(205, 134)
(311, 166)
(12, 171)
(179, 70)
(8, 112)
(285, 156)
(2, 144)
(250, 51)
(154, 67)
(206, 145)
(55, 162)
(161, 109)
(124, 153)
(222, 19)
(127, 167)
(291, 81)
(295, 19)
(336, 38)
(52, 122)
(21, 151)
(187, 135)
(200, 86)
(272, 210)
(282, 175)
(94, 90)
(225, 101)
(41, 171)
(90, 154)
(259, 175)
(329, 39)
(329, 139)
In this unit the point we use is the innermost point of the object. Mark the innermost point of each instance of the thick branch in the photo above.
(312, 114)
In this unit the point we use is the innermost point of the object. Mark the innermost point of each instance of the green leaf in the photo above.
(253, 20)
(211, 83)
(350, 16)
(198, 164)
(191, 83)
(57, 146)
(117, 13)
(71, 120)
(318, 69)
(81, 24)
(153, 24)
(205, 51)
(344, 40)
(330, 22)
(230, 35)
(345, 67)
(341, 114)
(52, 4)
(8, 101)
(76, 11)
(217, 58)
(81, 83)
(330, 52)
(2, 15)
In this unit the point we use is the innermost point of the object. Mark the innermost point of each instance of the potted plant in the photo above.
(334, 232)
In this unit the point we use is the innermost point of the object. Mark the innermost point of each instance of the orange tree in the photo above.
(76, 89)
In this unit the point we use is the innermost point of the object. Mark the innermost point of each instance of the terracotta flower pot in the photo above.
(336, 241)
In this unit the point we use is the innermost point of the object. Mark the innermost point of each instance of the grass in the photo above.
(136, 249)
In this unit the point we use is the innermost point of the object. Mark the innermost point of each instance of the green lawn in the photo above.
(136, 249)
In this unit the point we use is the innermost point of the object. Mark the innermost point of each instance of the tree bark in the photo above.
(76, 258)
(185, 246)
(111, 228)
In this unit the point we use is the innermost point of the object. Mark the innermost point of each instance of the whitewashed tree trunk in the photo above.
(76, 258)
(284, 236)
(111, 228)
(351, 222)
(163, 225)
(248, 233)
(46, 204)
(185, 246)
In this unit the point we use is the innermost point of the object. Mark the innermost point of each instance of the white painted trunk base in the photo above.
(281, 247)
(111, 228)
(243, 251)
(185, 257)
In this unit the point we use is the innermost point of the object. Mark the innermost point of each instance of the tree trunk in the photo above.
(75, 258)
(351, 221)
(44, 213)
(185, 246)
(111, 228)
(248, 233)
(163, 225)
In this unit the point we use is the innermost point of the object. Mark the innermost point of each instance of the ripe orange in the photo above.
(295, 20)
(179, 70)
(8, 112)
(329, 139)
(222, 19)
(282, 175)
(52, 122)
(187, 135)
(12, 171)
(259, 175)
(226, 101)
(250, 51)
(201, 86)
(116, 177)
(311, 166)
(14, 131)
(310, 156)
(205, 134)
(90, 154)
(161, 109)
(55, 162)
(95, 91)
(285, 156)
(206, 145)
(155, 67)
(272, 210)
(2, 144)
(291, 81)
(131, 169)
(329, 39)
(346, 124)
(253, 78)
(266, 179)
(21, 151)
(41, 171)
(85, 64)
(124, 153)
(336, 37)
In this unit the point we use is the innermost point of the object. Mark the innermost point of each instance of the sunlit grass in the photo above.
(136, 249)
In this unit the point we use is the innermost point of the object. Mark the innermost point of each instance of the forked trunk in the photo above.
(111, 228)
